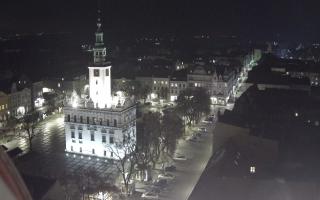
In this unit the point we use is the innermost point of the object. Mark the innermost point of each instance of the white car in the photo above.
(166, 176)
(179, 157)
(150, 195)
(202, 129)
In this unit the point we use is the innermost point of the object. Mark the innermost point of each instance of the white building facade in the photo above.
(100, 125)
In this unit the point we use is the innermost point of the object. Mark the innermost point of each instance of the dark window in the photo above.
(108, 123)
(92, 136)
(80, 149)
(71, 148)
(111, 154)
(80, 135)
(93, 121)
(68, 118)
(96, 82)
(96, 72)
(100, 122)
(88, 120)
(103, 139)
(81, 119)
(107, 72)
(93, 152)
(105, 153)
(115, 123)
(72, 134)
(111, 140)
(75, 118)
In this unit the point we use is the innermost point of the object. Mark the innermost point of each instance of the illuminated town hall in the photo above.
(100, 123)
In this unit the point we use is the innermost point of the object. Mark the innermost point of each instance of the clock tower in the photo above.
(100, 72)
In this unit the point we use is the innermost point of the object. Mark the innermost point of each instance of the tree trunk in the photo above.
(29, 140)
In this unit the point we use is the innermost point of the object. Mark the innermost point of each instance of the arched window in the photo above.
(115, 123)
(74, 118)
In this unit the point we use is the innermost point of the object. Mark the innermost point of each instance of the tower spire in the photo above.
(99, 48)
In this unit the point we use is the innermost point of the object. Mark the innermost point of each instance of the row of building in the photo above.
(219, 75)
(18, 96)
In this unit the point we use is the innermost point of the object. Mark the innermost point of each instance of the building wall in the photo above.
(175, 88)
(20, 102)
(101, 123)
(100, 86)
(4, 108)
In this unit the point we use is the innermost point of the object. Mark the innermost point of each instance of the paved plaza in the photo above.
(48, 158)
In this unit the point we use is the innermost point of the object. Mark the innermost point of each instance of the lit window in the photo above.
(252, 169)
(59, 85)
(155, 82)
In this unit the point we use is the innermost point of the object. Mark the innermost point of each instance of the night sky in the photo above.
(291, 19)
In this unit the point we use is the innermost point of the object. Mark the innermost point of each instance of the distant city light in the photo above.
(252, 169)
(296, 114)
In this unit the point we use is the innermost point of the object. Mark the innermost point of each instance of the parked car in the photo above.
(207, 120)
(202, 129)
(166, 176)
(179, 157)
(160, 183)
(170, 168)
(150, 195)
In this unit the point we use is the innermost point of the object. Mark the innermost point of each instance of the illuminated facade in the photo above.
(19, 101)
(97, 126)
(4, 112)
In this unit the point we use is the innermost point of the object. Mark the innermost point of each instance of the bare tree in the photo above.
(28, 126)
(124, 153)
(149, 140)
(172, 129)
(193, 103)
(89, 184)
